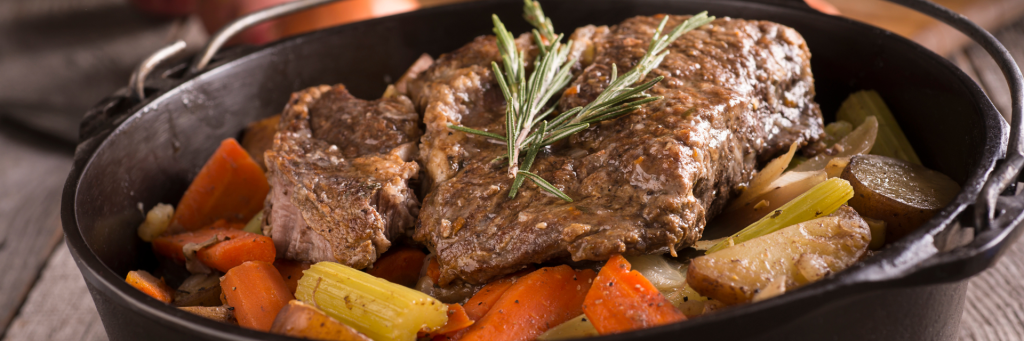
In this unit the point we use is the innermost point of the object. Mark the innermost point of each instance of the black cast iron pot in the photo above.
(143, 148)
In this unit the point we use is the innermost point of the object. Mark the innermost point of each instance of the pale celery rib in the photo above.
(819, 201)
(891, 141)
(380, 309)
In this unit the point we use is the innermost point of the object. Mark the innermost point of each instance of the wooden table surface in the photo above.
(43, 296)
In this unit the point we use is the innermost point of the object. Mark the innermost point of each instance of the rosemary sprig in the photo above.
(526, 130)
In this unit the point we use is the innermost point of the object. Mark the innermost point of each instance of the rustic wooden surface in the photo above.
(989, 14)
(59, 307)
(994, 309)
(32, 173)
(47, 299)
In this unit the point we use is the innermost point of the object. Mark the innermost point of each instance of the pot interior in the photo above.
(153, 155)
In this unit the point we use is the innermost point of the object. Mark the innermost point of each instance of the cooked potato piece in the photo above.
(576, 328)
(799, 253)
(903, 194)
(224, 314)
(877, 232)
(199, 290)
(157, 220)
(301, 320)
(259, 136)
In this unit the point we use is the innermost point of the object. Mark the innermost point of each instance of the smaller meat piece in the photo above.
(339, 172)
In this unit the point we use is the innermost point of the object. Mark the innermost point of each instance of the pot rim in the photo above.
(868, 275)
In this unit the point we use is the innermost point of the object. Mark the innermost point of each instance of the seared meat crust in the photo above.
(339, 172)
(736, 92)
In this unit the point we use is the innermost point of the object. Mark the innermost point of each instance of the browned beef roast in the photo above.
(736, 92)
(339, 171)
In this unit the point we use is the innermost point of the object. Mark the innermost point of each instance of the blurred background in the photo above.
(60, 57)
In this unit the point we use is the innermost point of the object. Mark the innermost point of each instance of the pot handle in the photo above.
(997, 215)
(138, 78)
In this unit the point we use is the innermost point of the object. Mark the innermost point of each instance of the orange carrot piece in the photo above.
(150, 285)
(230, 186)
(481, 302)
(399, 266)
(224, 224)
(543, 299)
(434, 269)
(236, 247)
(622, 300)
(457, 320)
(291, 271)
(257, 292)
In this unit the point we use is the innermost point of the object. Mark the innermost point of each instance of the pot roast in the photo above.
(339, 172)
(735, 94)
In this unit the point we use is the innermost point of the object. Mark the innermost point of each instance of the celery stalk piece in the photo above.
(821, 200)
(380, 309)
(891, 140)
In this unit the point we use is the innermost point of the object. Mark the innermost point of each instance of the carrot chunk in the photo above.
(434, 269)
(257, 292)
(230, 186)
(399, 266)
(233, 248)
(481, 302)
(457, 321)
(224, 224)
(150, 285)
(291, 271)
(622, 300)
(540, 300)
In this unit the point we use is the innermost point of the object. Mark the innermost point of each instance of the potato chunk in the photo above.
(799, 254)
(903, 194)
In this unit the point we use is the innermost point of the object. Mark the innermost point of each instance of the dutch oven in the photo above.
(143, 145)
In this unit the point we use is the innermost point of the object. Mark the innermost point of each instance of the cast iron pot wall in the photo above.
(152, 155)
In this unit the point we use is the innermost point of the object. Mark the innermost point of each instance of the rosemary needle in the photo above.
(526, 130)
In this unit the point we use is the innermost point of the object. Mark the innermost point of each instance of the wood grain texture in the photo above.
(989, 75)
(59, 306)
(994, 308)
(989, 14)
(97, 43)
(32, 173)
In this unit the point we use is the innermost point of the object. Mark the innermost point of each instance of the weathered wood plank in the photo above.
(990, 14)
(961, 59)
(59, 306)
(988, 74)
(994, 309)
(32, 173)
